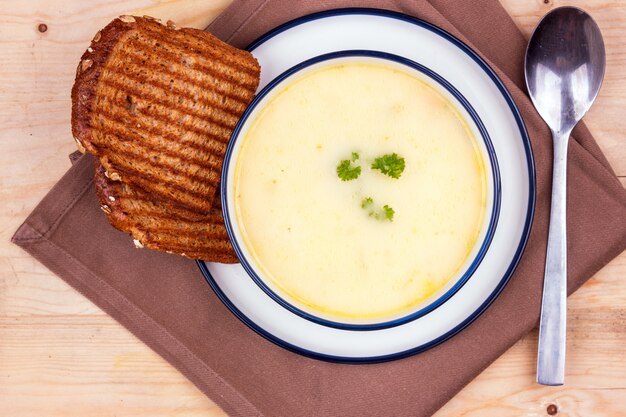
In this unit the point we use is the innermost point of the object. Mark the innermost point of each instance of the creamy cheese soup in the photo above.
(320, 241)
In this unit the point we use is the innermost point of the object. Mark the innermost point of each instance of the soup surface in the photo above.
(331, 245)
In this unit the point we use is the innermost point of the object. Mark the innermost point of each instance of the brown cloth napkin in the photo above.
(164, 300)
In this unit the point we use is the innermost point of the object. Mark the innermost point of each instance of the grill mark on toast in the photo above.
(191, 155)
(129, 162)
(161, 122)
(167, 166)
(143, 207)
(165, 162)
(205, 238)
(180, 143)
(221, 102)
(134, 199)
(190, 63)
(212, 246)
(180, 40)
(251, 67)
(190, 150)
(206, 47)
(163, 191)
(176, 229)
(161, 106)
(109, 136)
(174, 241)
(179, 229)
(159, 74)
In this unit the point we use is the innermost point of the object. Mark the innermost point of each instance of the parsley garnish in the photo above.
(346, 171)
(386, 213)
(391, 165)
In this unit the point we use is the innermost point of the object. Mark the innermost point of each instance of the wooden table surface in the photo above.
(62, 356)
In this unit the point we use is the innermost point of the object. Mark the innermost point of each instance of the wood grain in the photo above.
(62, 356)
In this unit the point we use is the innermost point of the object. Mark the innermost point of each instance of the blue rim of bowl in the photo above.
(527, 224)
(328, 58)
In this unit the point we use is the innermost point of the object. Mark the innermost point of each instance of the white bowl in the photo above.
(443, 87)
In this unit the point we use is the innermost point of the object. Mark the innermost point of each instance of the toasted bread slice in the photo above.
(157, 105)
(162, 226)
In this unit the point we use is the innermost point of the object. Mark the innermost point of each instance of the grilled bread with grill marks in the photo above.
(162, 226)
(157, 105)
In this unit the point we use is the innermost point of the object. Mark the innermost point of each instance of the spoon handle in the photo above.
(551, 355)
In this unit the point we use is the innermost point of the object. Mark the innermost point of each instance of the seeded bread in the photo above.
(161, 226)
(157, 105)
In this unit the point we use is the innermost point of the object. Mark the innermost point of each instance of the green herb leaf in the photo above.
(391, 165)
(355, 156)
(389, 212)
(386, 213)
(347, 172)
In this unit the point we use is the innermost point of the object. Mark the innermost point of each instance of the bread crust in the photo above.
(87, 73)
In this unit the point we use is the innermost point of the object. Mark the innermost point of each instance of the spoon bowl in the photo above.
(564, 68)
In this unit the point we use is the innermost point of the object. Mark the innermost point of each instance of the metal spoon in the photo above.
(564, 70)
